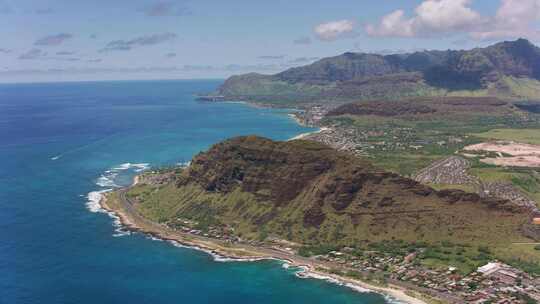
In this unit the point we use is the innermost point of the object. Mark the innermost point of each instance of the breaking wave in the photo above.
(215, 256)
(111, 179)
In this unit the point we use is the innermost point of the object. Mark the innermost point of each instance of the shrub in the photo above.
(484, 249)
(308, 251)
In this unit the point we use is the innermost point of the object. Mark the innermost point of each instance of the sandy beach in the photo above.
(112, 202)
(304, 135)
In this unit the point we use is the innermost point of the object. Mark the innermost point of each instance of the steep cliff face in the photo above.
(307, 192)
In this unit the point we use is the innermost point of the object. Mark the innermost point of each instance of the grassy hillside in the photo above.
(529, 136)
(307, 193)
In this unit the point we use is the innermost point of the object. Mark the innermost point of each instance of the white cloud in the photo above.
(32, 54)
(393, 24)
(514, 18)
(431, 17)
(127, 45)
(444, 15)
(53, 40)
(333, 30)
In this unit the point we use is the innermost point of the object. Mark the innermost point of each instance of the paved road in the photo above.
(269, 252)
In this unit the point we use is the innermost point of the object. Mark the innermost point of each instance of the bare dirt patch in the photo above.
(509, 153)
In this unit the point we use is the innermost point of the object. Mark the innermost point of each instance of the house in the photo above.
(489, 268)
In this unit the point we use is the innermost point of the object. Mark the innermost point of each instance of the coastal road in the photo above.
(131, 218)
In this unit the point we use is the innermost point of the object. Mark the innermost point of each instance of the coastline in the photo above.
(227, 252)
(307, 134)
(244, 253)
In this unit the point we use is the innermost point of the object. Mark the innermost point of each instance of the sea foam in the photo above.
(94, 198)
(215, 256)
(125, 166)
(106, 181)
(304, 273)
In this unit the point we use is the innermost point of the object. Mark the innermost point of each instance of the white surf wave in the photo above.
(184, 164)
(153, 238)
(93, 205)
(392, 300)
(120, 233)
(304, 273)
(126, 166)
(107, 183)
(94, 198)
(215, 256)
(107, 180)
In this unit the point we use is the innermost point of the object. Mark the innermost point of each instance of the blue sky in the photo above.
(59, 40)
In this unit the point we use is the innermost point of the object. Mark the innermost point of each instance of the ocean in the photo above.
(62, 143)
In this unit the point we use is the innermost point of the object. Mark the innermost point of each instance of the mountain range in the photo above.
(508, 69)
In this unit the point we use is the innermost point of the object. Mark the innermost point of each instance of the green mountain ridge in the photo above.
(308, 193)
(501, 70)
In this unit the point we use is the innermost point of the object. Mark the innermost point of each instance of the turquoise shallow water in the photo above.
(60, 142)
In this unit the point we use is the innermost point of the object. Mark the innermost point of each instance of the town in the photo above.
(400, 264)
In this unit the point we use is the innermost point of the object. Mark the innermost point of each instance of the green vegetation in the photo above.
(527, 266)
(405, 140)
(525, 88)
(266, 90)
(310, 194)
(464, 257)
(530, 136)
(308, 251)
(409, 138)
(527, 180)
(354, 76)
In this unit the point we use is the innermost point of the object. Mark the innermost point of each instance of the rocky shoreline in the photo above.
(243, 252)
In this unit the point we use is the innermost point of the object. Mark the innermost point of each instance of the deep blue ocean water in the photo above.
(59, 142)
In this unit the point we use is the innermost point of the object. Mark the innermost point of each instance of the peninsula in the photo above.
(332, 212)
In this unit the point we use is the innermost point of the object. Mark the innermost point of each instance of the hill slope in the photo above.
(308, 193)
(506, 69)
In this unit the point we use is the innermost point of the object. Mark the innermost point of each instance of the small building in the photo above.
(489, 268)
(536, 221)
